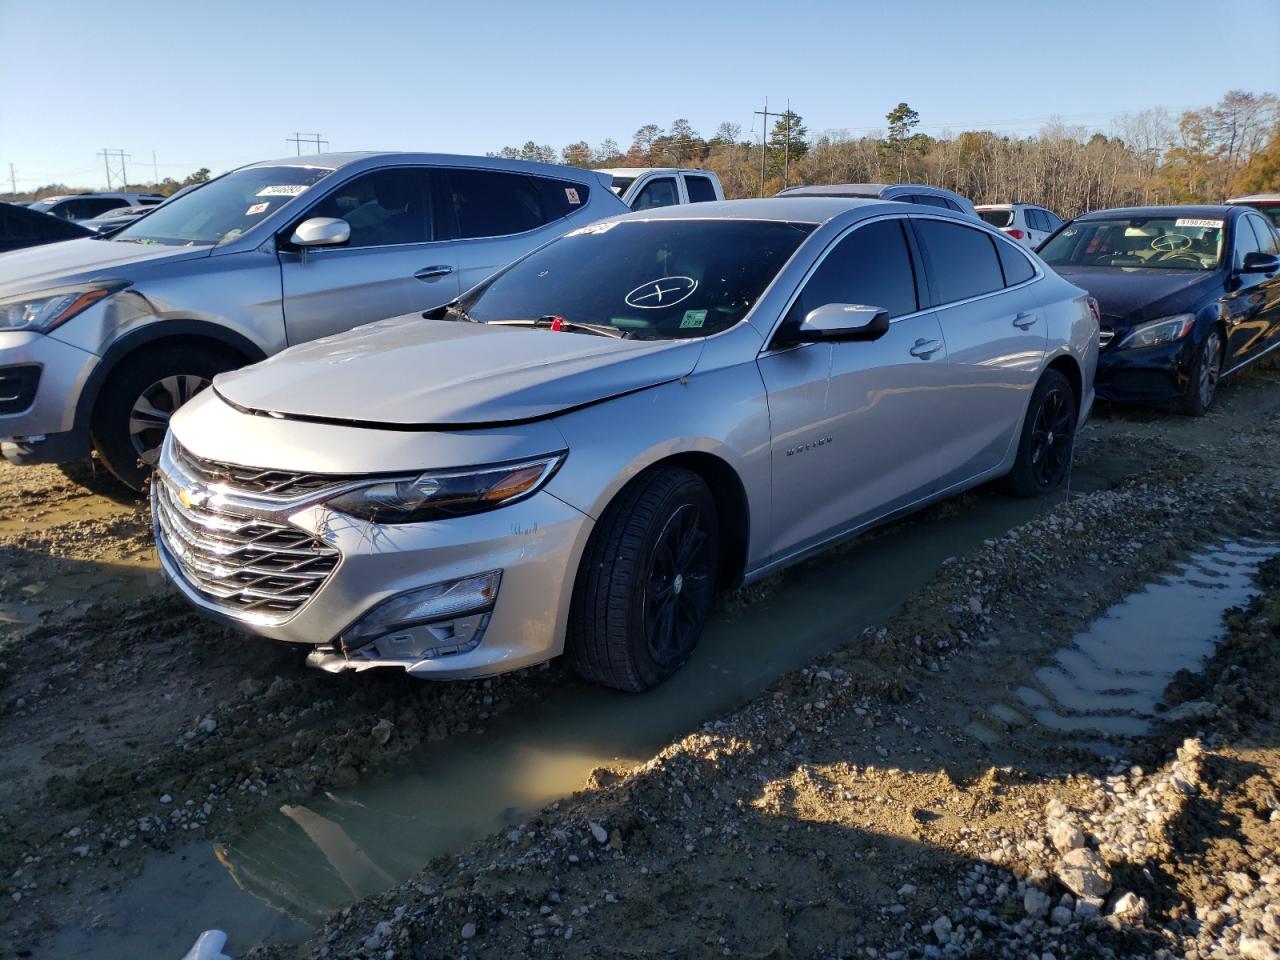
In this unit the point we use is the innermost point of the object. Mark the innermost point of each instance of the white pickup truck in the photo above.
(643, 187)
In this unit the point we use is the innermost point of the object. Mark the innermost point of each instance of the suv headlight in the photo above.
(441, 494)
(1156, 332)
(50, 309)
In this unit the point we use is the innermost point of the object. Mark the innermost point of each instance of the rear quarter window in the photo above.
(1017, 268)
(490, 203)
(700, 189)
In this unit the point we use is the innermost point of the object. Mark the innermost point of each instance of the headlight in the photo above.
(440, 494)
(52, 308)
(1156, 332)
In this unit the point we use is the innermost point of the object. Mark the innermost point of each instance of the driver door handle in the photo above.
(427, 274)
(1024, 321)
(924, 349)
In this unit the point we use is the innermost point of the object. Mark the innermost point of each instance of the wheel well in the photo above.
(127, 352)
(1071, 370)
(732, 511)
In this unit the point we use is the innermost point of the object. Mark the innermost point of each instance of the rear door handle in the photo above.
(427, 274)
(1024, 321)
(924, 349)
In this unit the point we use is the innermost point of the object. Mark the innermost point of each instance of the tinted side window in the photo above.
(962, 260)
(560, 197)
(1017, 268)
(700, 189)
(1246, 241)
(492, 204)
(870, 266)
(657, 193)
(383, 207)
(931, 201)
(1052, 219)
(1034, 222)
(1267, 241)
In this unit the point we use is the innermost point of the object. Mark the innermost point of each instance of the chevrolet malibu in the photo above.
(576, 454)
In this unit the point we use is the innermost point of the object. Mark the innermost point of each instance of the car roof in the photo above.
(640, 171)
(338, 161)
(1185, 209)
(815, 210)
(1256, 197)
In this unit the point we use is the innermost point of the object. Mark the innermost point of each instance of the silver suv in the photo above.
(577, 454)
(102, 339)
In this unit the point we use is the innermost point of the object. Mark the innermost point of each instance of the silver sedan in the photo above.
(575, 455)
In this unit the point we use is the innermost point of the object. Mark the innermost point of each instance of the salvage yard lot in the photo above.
(893, 794)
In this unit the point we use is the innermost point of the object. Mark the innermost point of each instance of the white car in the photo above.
(643, 188)
(1025, 222)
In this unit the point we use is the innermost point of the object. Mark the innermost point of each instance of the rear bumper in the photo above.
(45, 377)
(1146, 375)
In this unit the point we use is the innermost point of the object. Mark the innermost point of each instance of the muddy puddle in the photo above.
(1108, 683)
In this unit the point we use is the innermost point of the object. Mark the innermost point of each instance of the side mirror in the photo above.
(836, 322)
(1258, 262)
(321, 232)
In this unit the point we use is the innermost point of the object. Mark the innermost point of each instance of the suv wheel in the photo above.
(647, 582)
(137, 400)
(1048, 438)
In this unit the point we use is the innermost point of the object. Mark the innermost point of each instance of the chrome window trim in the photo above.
(1038, 275)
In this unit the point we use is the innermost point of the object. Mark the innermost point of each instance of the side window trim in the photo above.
(935, 299)
(904, 222)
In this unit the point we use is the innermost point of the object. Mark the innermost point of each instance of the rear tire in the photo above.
(137, 400)
(646, 583)
(1047, 440)
(1203, 385)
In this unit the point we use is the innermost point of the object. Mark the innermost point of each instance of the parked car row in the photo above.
(448, 491)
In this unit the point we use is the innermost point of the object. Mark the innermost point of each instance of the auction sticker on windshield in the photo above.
(1196, 222)
(283, 190)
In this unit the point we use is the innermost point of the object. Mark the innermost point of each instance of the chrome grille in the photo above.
(253, 568)
(253, 480)
(1105, 336)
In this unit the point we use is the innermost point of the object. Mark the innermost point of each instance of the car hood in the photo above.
(411, 372)
(1126, 297)
(71, 261)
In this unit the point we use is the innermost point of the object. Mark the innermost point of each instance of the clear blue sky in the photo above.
(223, 83)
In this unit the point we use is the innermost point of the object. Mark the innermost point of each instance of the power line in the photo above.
(119, 155)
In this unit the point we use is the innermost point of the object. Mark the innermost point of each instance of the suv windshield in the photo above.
(650, 280)
(223, 209)
(997, 218)
(1167, 243)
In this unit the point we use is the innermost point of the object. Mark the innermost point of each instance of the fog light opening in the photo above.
(442, 620)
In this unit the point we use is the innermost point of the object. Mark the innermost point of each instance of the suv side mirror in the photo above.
(1258, 262)
(321, 232)
(836, 322)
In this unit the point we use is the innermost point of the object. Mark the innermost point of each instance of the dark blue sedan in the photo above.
(1188, 295)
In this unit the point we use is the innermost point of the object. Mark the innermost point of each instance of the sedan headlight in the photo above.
(49, 309)
(1156, 332)
(441, 494)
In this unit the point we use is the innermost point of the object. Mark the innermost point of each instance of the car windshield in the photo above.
(223, 209)
(1167, 243)
(650, 280)
(997, 218)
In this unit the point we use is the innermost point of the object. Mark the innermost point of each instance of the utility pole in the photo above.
(764, 135)
(786, 146)
(155, 168)
(13, 180)
(298, 139)
(107, 156)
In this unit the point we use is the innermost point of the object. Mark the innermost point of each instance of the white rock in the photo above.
(381, 731)
(1066, 836)
(942, 929)
(1060, 916)
(1252, 948)
(208, 724)
(468, 931)
(599, 832)
(1130, 908)
(1084, 873)
(1035, 902)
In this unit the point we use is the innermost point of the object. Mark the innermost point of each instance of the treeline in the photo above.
(1204, 155)
(165, 187)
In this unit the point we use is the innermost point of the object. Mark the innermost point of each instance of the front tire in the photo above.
(647, 581)
(1203, 385)
(1048, 438)
(137, 400)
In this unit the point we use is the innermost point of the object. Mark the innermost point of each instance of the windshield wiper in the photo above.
(546, 323)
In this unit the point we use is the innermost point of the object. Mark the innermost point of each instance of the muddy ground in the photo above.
(897, 797)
